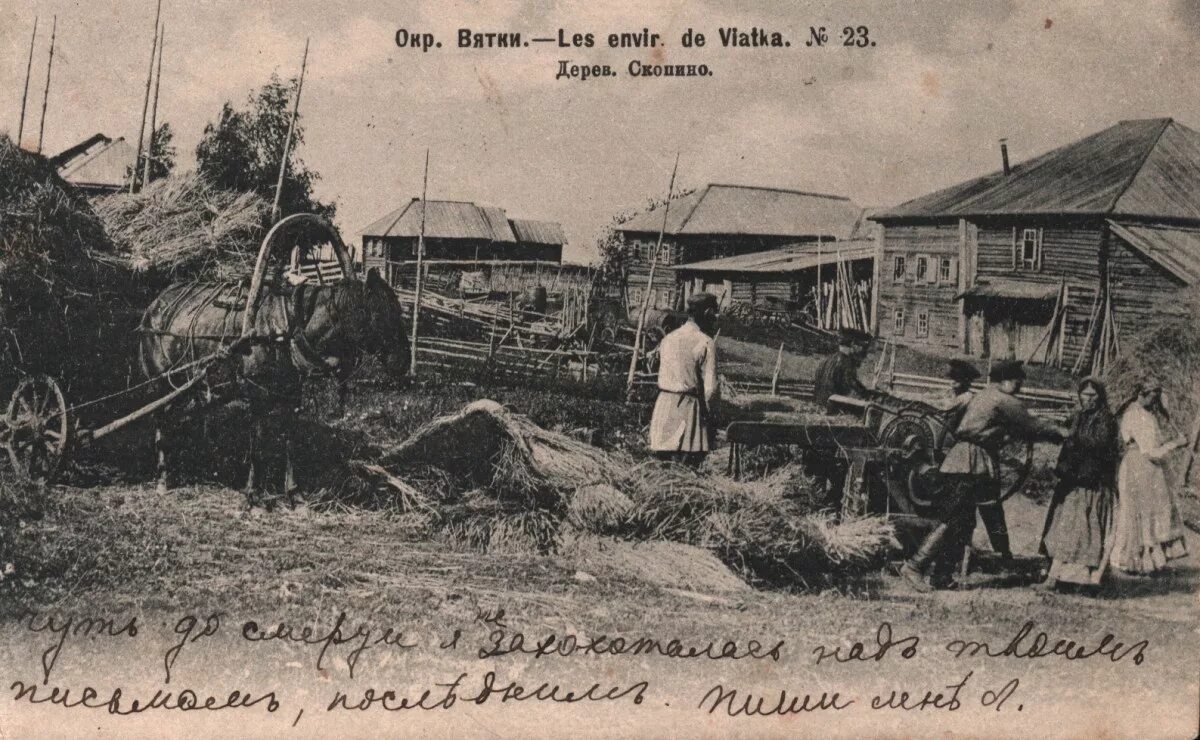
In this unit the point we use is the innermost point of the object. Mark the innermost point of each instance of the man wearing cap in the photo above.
(680, 426)
(838, 373)
(955, 403)
(992, 417)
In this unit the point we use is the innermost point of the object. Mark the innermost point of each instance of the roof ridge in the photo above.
(688, 217)
(1165, 123)
(778, 190)
(403, 210)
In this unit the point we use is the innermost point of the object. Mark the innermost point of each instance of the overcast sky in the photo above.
(920, 110)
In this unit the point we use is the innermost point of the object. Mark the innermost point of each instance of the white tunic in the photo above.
(687, 383)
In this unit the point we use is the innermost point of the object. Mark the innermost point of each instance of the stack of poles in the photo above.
(841, 302)
(1102, 345)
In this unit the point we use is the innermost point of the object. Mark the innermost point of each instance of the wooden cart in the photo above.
(39, 428)
(891, 449)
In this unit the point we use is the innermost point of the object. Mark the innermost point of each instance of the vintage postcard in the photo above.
(535, 369)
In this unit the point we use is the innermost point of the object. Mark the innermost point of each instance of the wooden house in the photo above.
(720, 221)
(541, 241)
(98, 165)
(471, 249)
(1053, 259)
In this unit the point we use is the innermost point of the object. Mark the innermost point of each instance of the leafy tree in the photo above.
(241, 150)
(162, 153)
(614, 252)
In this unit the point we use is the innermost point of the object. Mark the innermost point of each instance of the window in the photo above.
(1027, 249)
(922, 323)
(899, 268)
(946, 270)
(922, 268)
(898, 326)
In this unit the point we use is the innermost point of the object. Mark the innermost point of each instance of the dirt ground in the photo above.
(122, 551)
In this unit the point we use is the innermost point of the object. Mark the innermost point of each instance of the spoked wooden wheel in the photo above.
(37, 431)
(1015, 462)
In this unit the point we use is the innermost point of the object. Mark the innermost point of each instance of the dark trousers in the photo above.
(953, 508)
(992, 514)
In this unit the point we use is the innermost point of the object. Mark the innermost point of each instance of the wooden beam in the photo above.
(137, 161)
(25, 94)
(154, 108)
(641, 324)
(287, 142)
(46, 94)
(412, 365)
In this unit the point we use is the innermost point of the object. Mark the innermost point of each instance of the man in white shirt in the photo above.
(680, 427)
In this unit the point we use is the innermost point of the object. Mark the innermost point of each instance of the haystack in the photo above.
(181, 227)
(56, 300)
(521, 483)
(1169, 351)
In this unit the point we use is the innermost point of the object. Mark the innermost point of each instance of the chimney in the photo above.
(1004, 156)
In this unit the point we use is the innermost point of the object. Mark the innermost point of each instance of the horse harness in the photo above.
(296, 314)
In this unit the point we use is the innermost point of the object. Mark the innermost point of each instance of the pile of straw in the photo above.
(181, 227)
(522, 488)
(55, 298)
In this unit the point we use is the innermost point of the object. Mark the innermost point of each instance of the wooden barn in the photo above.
(541, 241)
(721, 221)
(98, 165)
(1051, 260)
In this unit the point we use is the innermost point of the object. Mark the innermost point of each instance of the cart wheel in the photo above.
(911, 433)
(1015, 462)
(38, 430)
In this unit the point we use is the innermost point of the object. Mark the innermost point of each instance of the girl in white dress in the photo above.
(1148, 530)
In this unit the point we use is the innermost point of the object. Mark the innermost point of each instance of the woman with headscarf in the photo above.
(1149, 530)
(1079, 523)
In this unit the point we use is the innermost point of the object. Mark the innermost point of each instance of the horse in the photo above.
(298, 332)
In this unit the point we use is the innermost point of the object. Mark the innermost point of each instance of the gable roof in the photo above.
(538, 232)
(1147, 168)
(97, 161)
(752, 211)
(446, 219)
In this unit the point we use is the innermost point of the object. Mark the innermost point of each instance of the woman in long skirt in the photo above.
(1149, 530)
(1079, 523)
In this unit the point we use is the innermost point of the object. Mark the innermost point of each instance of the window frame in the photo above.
(921, 275)
(923, 324)
(899, 321)
(945, 270)
(899, 267)
(1020, 235)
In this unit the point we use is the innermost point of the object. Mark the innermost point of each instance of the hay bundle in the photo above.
(56, 301)
(670, 564)
(182, 227)
(529, 482)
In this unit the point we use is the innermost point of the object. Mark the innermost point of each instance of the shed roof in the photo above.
(752, 211)
(538, 232)
(98, 161)
(786, 259)
(1176, 248)
(1148, 167)
(446, 219)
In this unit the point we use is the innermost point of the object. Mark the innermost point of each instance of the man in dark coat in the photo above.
(838, 373)
(991, 417)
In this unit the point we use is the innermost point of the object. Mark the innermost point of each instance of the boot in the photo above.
(913, 569)
(997, 529)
